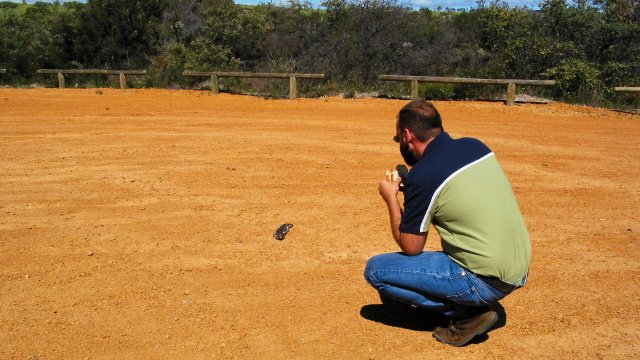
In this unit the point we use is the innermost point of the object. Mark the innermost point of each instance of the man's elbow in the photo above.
(412, 244)
(412, 251)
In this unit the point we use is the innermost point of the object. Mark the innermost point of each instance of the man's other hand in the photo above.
(389, 190)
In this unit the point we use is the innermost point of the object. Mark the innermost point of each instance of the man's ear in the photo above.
(408, 135)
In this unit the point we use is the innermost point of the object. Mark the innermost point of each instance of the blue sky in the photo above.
(432, 4)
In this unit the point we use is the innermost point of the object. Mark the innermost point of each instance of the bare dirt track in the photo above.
(138, 224)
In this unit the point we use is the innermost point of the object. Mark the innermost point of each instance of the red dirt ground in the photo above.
(138, 224)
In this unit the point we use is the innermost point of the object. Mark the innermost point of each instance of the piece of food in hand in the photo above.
(391, 175)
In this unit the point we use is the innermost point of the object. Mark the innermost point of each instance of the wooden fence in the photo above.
(122, 73)
(511, 83)
(627, 89)
(293, 88)
(293, 85)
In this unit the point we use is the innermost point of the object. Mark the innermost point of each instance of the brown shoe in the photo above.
(462, 330)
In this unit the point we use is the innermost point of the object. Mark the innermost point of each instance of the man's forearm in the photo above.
(395, 217)
(410, 244)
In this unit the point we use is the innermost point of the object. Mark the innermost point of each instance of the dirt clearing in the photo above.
(138, 224)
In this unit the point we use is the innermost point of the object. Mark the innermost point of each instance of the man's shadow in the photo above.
(419, 319)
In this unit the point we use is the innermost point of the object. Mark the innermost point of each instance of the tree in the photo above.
(293, 38)
(182, 21)
(26, 38)
(363, 39)
(119, 33)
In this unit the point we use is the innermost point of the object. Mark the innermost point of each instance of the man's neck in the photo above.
(422, 146)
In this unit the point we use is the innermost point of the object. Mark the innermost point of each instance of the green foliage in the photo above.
(437, 91)
(587, 46)
(7, 5)
(233, 31)
(206, 55)
(119, 33)
(25, 39)
(228, 37)
(577, 80)
(166, 69)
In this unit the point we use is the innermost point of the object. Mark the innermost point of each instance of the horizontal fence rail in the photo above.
(627, 89)
(511, 83)
(293, 85)
(122, 73)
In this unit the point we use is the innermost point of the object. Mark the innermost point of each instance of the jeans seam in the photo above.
(412, 271)
(458, 294)
(479, 296)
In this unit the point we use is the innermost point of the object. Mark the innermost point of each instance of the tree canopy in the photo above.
(588, 47)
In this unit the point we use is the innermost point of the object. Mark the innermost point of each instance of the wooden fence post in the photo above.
(511, 94)
(215, 87)
(293, 87)
(61, 80)
(123, 81)
(414, 89)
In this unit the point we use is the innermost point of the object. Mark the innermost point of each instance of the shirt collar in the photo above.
(442, 138)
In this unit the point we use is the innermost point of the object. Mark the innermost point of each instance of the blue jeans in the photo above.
(430, 280)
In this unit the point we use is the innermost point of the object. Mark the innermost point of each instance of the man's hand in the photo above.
(389, 190)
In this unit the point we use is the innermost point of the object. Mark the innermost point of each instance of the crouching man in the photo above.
(458, 186)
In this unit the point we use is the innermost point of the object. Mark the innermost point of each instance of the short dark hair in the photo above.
(422, 118)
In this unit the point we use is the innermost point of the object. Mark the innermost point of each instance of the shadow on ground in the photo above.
(418, 319)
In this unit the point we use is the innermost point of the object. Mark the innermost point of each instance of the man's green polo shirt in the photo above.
(460, 188)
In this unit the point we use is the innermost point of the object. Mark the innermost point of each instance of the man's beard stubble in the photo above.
(408, 157)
